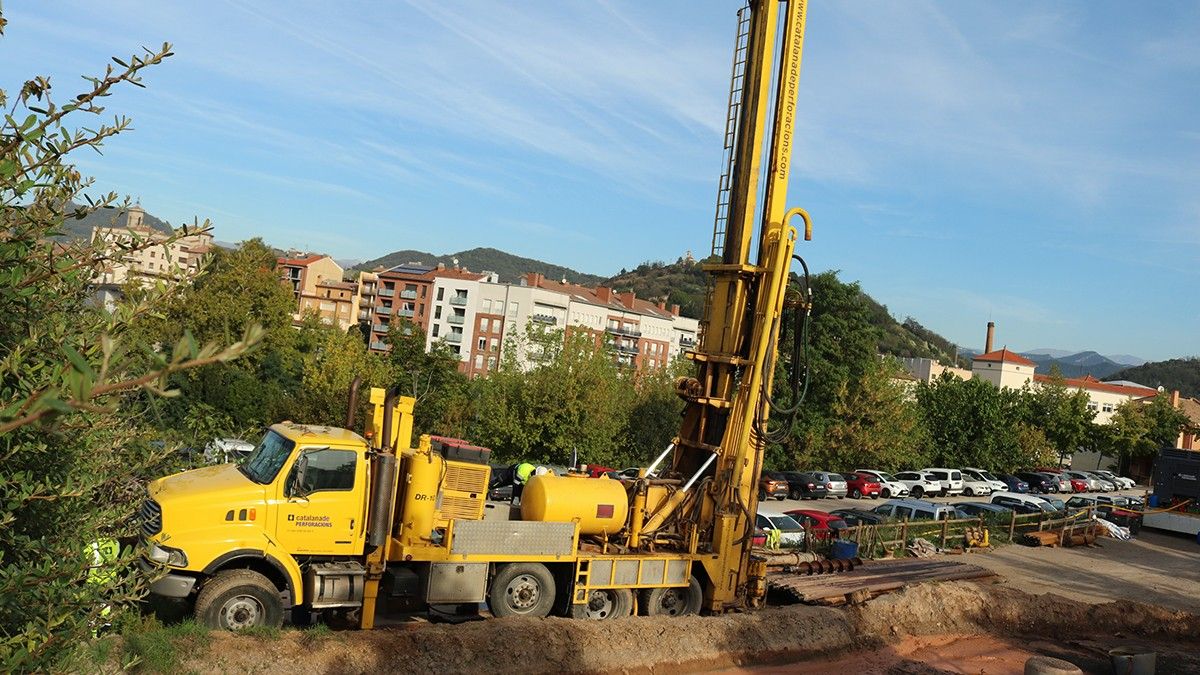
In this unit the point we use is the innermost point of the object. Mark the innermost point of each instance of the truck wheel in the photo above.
(672, 601)
(239, 599)
(605, 604)
(522, 589)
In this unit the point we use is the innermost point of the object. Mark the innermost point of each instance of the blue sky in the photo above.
(1031, 163)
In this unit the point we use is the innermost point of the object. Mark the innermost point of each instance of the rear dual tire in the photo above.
(680, 601)
(612, 603)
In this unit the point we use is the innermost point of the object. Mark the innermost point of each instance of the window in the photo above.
(500, 307)
(485, 325)
(1092, 405)
(435, 329)
(437, 312)
(327, 306)
(512, 310)
(441, 294)
(479, 361)
(495, 344)
(482, 344)
(325, 470)
(487, 306)
(491, 363)
(1107, 407)
(267, 459)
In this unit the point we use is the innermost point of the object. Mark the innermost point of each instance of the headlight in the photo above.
(168, 556)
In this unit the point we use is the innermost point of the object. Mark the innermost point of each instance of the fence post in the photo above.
(1012, 526)
(945, 530)
(1040, 514)
(904, 535)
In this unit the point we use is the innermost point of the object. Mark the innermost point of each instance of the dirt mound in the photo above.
(640, 644)
(999, 609)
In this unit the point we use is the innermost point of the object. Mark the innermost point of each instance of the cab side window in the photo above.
(329, 470)
(904, 512)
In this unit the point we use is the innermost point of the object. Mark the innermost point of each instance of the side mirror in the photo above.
(297, 487)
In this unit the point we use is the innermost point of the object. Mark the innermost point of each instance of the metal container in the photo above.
(599, 505)
(1133, 661)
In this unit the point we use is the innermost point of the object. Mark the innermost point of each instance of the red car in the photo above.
(818, 524)
(860, 485)
(1079, 485)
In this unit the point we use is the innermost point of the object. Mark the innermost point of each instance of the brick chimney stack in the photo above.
(604, 294)
(662, 305)
(991, 333)
(627, 299)
(534, 279)
(674, 310)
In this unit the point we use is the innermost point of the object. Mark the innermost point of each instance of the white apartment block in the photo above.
(159, 261)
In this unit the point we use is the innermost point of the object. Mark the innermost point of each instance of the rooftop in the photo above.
(1005, 356)
(1089, 382)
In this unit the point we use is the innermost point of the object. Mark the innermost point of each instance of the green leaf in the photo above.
(78, 361)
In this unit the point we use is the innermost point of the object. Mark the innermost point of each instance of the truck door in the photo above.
(321, 503)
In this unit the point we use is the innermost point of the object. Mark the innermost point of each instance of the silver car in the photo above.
(835, 483)
(1106, 485)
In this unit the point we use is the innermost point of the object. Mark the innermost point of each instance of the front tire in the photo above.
(605, 604)
(917, 492)
(237, 600)
(969, 492)
(795, 494)
(522, 589)
(887, 493)
(672, 601)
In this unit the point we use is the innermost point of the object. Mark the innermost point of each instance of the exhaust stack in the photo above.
(991, 333)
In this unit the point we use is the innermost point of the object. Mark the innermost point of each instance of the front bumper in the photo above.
(169, 586)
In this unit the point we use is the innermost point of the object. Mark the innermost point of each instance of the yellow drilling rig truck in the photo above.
(321, 519)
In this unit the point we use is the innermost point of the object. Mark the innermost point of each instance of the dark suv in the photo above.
(804, 485)
(1041, 483)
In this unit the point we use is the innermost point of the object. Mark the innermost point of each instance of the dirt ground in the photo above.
(930, 628)
(1158, 568)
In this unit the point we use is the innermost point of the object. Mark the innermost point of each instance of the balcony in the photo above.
(364, 315)
(545, 318)
(378, 346)
(453, 338)
(687, 342)
(621, 330)
(386, 311)
(458, 300)
(380, 328)
(627, 349)
(408, 295)
(406, 313)
(368, 289)
(386, 292)
(456, 319)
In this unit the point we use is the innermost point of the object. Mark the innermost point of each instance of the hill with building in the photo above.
(82, 228)
(510, 267)
(1173, 374)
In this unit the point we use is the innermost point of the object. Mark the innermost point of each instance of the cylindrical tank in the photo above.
(598, 504)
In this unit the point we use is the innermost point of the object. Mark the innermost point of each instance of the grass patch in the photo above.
(315, 633)
(151, 647)
(265, 632)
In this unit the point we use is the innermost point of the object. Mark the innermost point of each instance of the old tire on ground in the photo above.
(672, 601)
(522, 589)
(917, 492)
(239, 599)
(605, 604)
(857, 494)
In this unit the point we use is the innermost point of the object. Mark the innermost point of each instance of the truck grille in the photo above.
(150, 516)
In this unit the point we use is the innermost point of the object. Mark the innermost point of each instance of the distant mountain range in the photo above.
(510, 267)
(1122, 359)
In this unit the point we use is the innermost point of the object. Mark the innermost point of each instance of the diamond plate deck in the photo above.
(512, 537)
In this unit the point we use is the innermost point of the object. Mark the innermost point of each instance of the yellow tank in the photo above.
(598, 504)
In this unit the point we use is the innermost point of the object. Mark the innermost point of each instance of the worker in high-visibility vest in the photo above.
(521, 475)
(774, 539)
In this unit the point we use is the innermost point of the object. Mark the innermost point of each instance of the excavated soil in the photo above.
(935, 628)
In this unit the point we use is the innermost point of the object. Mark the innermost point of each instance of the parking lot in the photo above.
(774, 507)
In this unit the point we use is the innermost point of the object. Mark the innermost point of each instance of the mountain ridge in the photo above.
(510, 267)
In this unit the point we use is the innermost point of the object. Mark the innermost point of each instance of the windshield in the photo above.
(885, 476)
(785, 523)
(836, 524)
(988, 476)
(955, 475)
(267, 459)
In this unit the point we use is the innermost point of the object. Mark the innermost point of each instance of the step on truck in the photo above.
(322, 519)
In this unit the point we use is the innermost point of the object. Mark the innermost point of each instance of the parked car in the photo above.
(818, 524)
(980, 509)
(804, 485)
(772, 484)
(861, 485)
(1039, 483)
(856, 517)
(1107, 509)
(1091, 483)
(595, 471)
(835, 484)
(1055, 503)
(1106, 485)
(919, 484)
(1121, 482)
(993, 482)
(973, 487)
(1013, 483)
(1064, 482)
(889, 486)
(915, 509)
(225, 450)
(1021, 503)
(791, 533)
(951, 480)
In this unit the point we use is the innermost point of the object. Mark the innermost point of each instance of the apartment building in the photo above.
(455, 304)
(401, 293)
(162, 260)
(318, 288)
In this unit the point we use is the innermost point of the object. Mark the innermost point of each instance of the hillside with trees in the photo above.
(1181, 374)
(510, 267)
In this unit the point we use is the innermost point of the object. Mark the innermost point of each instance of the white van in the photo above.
(951, 480)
